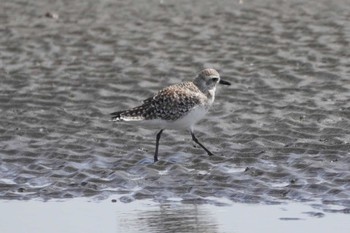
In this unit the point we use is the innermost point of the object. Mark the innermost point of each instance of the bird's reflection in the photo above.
(169, 217)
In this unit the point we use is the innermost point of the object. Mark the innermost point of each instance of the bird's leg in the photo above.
(157, 145)
(200, 144)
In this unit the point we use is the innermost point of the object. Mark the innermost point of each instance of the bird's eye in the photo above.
(215, 79)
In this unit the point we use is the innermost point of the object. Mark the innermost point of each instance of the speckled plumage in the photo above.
(177, 106)
(171, 103)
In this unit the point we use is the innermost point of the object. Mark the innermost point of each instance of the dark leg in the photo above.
(200, 144)
(157, 145)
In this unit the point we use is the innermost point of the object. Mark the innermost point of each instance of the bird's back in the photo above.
(169, 104)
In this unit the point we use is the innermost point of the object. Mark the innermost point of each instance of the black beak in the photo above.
(223, 82)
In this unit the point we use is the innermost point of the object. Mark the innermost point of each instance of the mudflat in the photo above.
(279, 133)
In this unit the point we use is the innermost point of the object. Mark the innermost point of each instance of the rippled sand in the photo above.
(281, 132)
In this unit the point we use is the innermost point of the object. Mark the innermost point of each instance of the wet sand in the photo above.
(280, 132)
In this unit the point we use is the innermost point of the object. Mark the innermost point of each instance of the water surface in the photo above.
(81, 215)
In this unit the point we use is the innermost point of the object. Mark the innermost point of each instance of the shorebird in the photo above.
(179, 106)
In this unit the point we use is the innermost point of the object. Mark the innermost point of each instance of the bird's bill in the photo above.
(223, 82)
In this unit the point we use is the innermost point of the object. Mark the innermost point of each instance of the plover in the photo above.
(179, 106)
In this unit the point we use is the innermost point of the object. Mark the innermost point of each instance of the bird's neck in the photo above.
(211, 95)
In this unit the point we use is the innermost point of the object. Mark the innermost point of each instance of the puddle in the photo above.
(83, 215)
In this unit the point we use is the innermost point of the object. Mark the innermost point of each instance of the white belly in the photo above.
(185, 122)
(190, 119)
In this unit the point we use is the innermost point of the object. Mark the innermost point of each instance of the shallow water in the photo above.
(79, 215)
(280, 133)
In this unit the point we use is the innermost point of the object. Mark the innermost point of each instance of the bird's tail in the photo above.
(134, 114)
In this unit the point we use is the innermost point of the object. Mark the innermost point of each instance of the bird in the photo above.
(178, 106)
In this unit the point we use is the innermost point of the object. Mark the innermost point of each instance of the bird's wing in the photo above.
(170, 103)
(174, 101)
